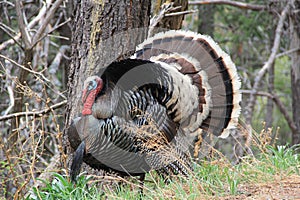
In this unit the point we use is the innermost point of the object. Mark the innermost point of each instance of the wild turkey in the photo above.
(142, 113)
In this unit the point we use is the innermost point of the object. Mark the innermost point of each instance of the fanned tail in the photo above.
(210, 70)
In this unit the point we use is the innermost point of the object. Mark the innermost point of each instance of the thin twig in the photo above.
(32, 113)
(158, 18)
(180, 13)
(259, 93)
(4, 27)
(7, 2)
(53, 29)
(9, 42)
(279, 104)
(23, 67)
(46, 21)
(35, 20)
(56, 61)
(287, 52)
(231, 3)
(11, 99)
(267, 65)
(9, 89)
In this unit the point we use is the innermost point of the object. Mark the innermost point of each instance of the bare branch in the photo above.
(180, 13)
(158, 18)
(32, 113)
(25, 68)
(4, 27)
(42, 12)
(267, 65)
(22, 27)
(279, 104)
(10, 42)
(287, 52)
(285, 113)
(231, 3)
(166, 10)
(53, 29)
(46, 21)
(260, 93)
(55, 64)
(11, 99)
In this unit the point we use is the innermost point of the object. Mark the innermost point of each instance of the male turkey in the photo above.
(142, 113)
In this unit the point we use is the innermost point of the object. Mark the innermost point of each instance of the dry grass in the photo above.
(38, 139)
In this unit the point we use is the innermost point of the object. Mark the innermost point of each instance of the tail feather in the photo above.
(77, 161)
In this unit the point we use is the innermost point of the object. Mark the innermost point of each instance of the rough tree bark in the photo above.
(171, 22)
(295, 69)
(102, 32)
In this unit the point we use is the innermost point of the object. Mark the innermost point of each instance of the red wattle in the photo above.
(86, 111)
(89, 101)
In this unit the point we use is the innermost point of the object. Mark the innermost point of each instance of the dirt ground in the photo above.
(282, 188)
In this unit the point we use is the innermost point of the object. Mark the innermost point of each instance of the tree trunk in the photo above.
(295, 70)
(102, 33)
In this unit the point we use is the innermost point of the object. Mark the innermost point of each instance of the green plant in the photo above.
(61, 188)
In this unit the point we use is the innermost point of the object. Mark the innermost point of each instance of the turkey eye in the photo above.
(92, 85)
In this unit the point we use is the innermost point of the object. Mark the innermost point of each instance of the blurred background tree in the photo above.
(246, 30)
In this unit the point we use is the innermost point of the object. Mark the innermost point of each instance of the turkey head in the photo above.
(92, 86)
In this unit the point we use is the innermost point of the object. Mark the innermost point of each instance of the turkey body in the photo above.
(142, 114)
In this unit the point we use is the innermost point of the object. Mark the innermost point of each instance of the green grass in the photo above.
(210, 179)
